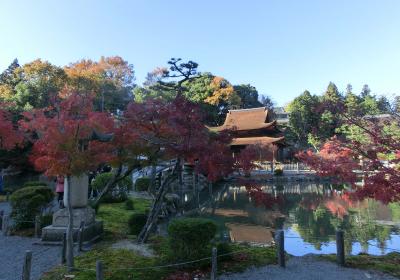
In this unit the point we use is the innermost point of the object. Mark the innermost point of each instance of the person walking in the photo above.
(60, 190)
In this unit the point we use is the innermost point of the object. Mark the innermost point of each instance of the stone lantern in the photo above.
(84, 216)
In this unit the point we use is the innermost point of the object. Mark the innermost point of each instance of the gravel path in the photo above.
(12, 254)
(307, 268)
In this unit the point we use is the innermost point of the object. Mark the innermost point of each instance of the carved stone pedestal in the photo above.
(91, 230)
(81, 214)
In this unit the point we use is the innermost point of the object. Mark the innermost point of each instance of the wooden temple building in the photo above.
(254, 127)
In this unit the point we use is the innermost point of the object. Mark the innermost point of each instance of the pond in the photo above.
(309, 213)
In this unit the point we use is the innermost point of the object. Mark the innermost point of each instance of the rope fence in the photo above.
(100, 268)
(7, 225)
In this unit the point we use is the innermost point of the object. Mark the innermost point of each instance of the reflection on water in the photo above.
(309, 213)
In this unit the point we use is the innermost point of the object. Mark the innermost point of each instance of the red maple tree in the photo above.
(369, 164)
(10, 136)
(63, 143)
(175, 131)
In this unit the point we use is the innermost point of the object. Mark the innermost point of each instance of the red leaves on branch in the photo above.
(62, 136)
(175, 130)
(370, 165)
(333, 160)
(10, 137)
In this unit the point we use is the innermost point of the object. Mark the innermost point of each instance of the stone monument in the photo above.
(83, 215)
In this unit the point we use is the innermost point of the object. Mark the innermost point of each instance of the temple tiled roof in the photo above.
(246, 119)
(262, 140)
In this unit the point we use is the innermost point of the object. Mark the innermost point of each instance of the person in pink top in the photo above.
(60, 189)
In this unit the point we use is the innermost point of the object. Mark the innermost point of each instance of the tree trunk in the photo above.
(114, 180)
(180, 184)
(152, 185)
(157, 204)
(70, 229)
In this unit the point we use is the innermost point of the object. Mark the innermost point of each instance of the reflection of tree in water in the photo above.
(317, 214)
(314, 226)
(318, 225)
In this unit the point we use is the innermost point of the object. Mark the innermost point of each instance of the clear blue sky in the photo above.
(281, 47)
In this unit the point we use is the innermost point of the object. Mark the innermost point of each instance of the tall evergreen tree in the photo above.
(10, 76)
(365, 91)
(303, 117)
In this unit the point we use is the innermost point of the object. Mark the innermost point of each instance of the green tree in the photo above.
(332, 94)
(197, 90)
(383, 105)
(352, 102)
(370, 105)
(365, 91)
(303, 118)
(10, 75)
(248, 95)
(40, 82)
(9, 78)
(329, 119)
(266, 101)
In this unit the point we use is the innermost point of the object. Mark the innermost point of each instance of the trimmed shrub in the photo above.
(189, 238)
(136, 222)
(142, 184)
(34, 184)
(28, 202)
(224, 249)
(129, 205)
(118, 193)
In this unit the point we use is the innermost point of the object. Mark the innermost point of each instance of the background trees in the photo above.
(303, 118)
(367, 149)
(314, 119)
(216, 95)
(111, 79)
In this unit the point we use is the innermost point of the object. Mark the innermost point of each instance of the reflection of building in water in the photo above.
(252, 234)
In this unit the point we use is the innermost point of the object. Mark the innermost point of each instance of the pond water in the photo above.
(309, 213)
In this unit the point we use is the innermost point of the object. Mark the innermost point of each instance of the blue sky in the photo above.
(281, 47)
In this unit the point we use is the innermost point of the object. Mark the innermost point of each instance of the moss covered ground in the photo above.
(123, 264)
(389, 263)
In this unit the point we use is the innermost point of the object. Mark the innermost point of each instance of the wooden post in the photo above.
(1, 218)
(26, 269)
(37, 227)
(280, 242)
(340, 248)
(80, 235)
(4, 225)
(99, 270)
(64, 248)
(298, 170)
(214, 264)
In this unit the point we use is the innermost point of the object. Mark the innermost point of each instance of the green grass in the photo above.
(115, 217)
(250, 256)
(119, 264)
(389, 263)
